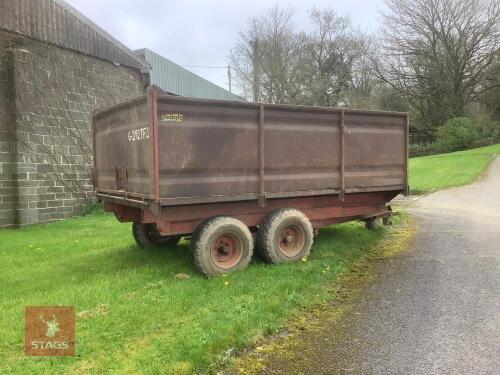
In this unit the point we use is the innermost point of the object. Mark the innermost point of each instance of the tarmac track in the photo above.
(433, 310)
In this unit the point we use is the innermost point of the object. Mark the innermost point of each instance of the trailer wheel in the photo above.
(285, 235)
(148, 235)
(220, 245)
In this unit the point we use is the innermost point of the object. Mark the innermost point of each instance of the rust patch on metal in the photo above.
(291, 240)
(226, 251)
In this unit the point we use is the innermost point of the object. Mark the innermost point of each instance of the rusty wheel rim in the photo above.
(291, 240)
(226, 251)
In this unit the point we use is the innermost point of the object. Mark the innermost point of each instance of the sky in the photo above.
(202, 32)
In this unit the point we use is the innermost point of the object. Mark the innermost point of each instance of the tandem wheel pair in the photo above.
(223, 244)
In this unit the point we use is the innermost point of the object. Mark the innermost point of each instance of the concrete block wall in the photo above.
(46, 167)
(8, 181)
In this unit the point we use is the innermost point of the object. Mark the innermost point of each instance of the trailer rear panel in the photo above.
(122, 150)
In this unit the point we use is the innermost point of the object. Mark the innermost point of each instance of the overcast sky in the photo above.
(202, 32)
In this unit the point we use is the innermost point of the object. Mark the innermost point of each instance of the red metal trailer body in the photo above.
(173, 162)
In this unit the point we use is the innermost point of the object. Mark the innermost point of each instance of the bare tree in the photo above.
(266, 59)
(275, 63)
(332, 49)
(437, 54)
(365, 89)
(491, 98)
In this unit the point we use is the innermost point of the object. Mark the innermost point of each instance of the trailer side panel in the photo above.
(211, 151)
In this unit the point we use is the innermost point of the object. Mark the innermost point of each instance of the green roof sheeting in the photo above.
(175, 79)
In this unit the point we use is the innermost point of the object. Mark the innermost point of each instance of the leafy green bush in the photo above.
(422, 149)
(491, 129)
(457, 133)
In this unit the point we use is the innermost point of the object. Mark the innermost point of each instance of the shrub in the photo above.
(491, 130)
(457, 133)
(422, 149)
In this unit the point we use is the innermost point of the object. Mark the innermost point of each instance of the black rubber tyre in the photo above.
(373, 224)
(285, 235)
(221, 245)
(147, 235)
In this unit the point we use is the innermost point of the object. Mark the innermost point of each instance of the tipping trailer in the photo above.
(232, 175)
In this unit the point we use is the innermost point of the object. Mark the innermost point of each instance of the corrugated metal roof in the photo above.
(175, 79)
(58, 23)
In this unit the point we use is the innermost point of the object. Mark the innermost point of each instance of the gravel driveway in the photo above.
(433, 310)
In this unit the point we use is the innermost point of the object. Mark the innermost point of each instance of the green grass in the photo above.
(136, 316)
(430, 173)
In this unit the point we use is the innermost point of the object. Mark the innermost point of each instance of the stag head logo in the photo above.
(49, 330)
(52, 326)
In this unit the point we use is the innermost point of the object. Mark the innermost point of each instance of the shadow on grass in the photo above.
(134, 257)
(82, 268)
(175, 259)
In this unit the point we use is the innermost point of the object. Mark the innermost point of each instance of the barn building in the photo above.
(56, 68)
(174, 79)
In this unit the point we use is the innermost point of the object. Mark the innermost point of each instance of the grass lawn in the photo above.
(430, 173)
(134, 315)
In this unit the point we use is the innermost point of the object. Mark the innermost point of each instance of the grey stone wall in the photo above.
(45, 142)
(8, 182)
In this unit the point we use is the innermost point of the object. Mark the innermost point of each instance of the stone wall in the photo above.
(8, 182)
(46, 158)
